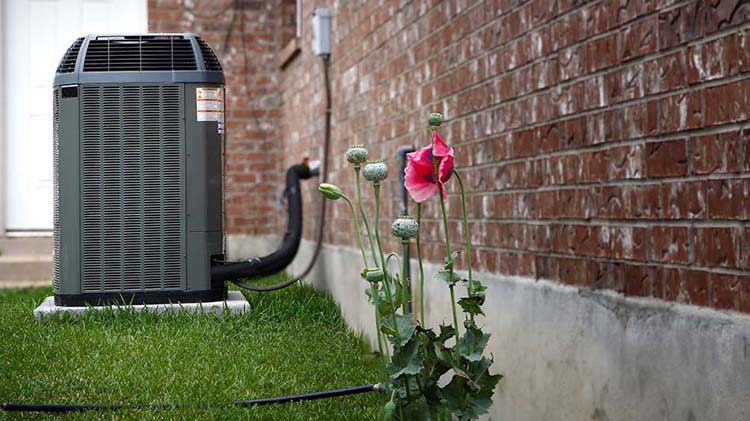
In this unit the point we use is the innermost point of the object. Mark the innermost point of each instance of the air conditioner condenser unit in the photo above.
(138, 141)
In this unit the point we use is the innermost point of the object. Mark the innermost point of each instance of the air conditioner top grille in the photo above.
(68, 62)
(139, 58)
(139, 53)
(209, 58)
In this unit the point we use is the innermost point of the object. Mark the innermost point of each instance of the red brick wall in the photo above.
(604, 143)
(246, 36)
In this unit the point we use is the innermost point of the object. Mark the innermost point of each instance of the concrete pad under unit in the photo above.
(235, 304)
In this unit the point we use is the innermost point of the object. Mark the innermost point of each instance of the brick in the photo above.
(642, 202)
(669, 244)
(726, 292)
(727, 199)
(682, 111)
(638, 39)
(684, 200)
(640, 280)
(696, 287)
(744, 288)
(717, 153)
(626, 162)
(601, 53)
(666, 159)
(714, 59)
(744, 244)
(686, 286)
(716, 247)
(673, 27)
(727, 103)
(665, 73)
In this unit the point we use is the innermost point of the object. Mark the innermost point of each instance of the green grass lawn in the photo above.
(293, 341)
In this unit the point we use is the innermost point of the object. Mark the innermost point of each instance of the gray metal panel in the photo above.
(133, 207)
(204, 190)
(66, 267)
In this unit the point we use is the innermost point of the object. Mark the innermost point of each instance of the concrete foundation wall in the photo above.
(573, 354)
(241, 247)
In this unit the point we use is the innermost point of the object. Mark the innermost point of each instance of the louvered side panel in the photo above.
(91, 189)
(56, 190)
(172, 198)
(132, 160)
(132, 185)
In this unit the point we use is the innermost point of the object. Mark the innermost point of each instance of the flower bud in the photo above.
(330, 191)
(373, 274)
(435, 119)
(356, 154)
(375, 171)
(405, 227)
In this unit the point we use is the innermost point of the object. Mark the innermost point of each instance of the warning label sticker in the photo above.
(210, 104)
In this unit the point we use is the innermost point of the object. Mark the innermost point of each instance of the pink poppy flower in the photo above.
(419, 175)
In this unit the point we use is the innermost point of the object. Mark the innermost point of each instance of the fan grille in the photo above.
(139, 53)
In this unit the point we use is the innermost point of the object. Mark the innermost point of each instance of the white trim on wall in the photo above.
(3, 176)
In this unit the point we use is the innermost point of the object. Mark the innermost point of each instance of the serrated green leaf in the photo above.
(407, 360)
(462, 402)
(472, 343)
(450, 260)
(476, 289)
(469, 394)
(471, 305)
(481, 381)
(446, 332)
(400, 331)
(447, 276)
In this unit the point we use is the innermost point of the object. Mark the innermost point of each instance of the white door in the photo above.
(35, 35)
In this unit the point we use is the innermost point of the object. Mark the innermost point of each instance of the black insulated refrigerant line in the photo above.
(55, 408)
(277, 261)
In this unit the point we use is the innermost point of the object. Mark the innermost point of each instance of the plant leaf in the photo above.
(450, 260)
(407, 360)
(462, 402)
(389, 410)
(476, 289)
(471, 305)
(399, 333)
(447, 276)
(472, 343)
(481, 379)
(446, 332)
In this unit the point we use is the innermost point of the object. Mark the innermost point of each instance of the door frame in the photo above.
(3, 175)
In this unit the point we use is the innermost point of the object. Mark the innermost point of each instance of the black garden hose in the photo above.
(62, 408)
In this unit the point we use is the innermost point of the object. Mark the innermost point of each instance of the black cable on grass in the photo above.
(63, 408)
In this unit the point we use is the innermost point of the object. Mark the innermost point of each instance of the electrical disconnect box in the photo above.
(321, 24)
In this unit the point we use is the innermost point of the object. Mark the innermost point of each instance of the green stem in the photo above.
(364, 215)
(404, 276)
(381, 347)
(357, 230)
(357, 168)
(386, 280)
(466, 234)
(448, 250)
(373, 287)
(421, 270)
